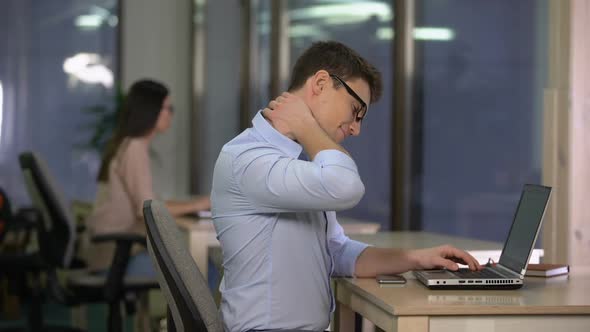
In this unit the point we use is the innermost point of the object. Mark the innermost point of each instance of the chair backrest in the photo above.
(185, 289)
(57, 230)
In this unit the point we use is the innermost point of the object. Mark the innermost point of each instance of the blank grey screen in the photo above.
(525, 226)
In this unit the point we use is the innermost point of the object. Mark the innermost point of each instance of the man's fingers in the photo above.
(273, 104)
(470, 260)
(465, 258)
(266, 112)
(446, 263)
(472, 265)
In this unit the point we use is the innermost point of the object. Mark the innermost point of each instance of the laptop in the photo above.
(510, 270)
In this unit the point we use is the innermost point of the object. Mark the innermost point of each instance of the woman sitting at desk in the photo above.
(125, 178)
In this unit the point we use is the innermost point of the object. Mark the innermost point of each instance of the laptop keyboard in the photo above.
(483, 274)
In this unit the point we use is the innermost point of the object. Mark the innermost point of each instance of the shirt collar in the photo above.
(271, 135)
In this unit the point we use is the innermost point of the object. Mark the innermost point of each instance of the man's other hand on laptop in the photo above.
(443, 257)
(374, 261)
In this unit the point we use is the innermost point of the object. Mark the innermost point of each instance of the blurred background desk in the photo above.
(202, 236)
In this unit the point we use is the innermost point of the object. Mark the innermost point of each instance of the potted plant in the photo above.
(103, 125)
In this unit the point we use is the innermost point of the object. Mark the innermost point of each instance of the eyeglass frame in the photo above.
(362, 112)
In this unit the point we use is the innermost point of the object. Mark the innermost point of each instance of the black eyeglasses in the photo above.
(361, 112)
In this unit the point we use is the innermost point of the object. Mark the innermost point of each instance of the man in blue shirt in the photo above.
(274, 212)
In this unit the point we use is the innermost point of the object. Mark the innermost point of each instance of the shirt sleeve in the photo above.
(278, 183)
(136, 175)
(344, 250)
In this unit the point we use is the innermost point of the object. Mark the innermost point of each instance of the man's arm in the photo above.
(344, 250)
(274, 182)
(356, 258)
(278, 183)
(374, 261)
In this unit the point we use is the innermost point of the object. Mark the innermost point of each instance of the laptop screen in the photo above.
(525, 227)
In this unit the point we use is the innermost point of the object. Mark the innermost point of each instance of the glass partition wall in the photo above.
(480, 81)
(458, 129)
(58, 60)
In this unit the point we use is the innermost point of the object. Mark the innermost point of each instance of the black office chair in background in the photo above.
(57, 235)
(19, 268)
(190, 304)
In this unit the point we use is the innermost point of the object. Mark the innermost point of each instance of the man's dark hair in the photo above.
(337, 59)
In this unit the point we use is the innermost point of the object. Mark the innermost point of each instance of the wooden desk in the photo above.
(201, 235)
(541, 305)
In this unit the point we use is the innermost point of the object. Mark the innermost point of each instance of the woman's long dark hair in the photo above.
(137, 118)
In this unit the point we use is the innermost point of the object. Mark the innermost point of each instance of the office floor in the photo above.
(58, 315)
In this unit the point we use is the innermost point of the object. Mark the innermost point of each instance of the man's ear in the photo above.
(319, 81)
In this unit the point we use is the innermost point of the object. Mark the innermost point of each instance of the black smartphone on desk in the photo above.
(391, 279)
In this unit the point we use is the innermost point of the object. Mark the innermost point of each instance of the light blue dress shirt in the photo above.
(274, 216)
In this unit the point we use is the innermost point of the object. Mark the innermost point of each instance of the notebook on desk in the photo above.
(510, 270)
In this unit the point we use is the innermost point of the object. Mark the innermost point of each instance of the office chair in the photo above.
(190, 304)
(57, 235)
(16, 264)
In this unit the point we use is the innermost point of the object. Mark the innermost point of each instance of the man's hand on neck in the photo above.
(290, 115)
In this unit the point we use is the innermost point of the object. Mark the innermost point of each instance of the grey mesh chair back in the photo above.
(190, 302)
(57, 230)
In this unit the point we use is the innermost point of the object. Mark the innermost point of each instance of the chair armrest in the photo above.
(120, 238)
